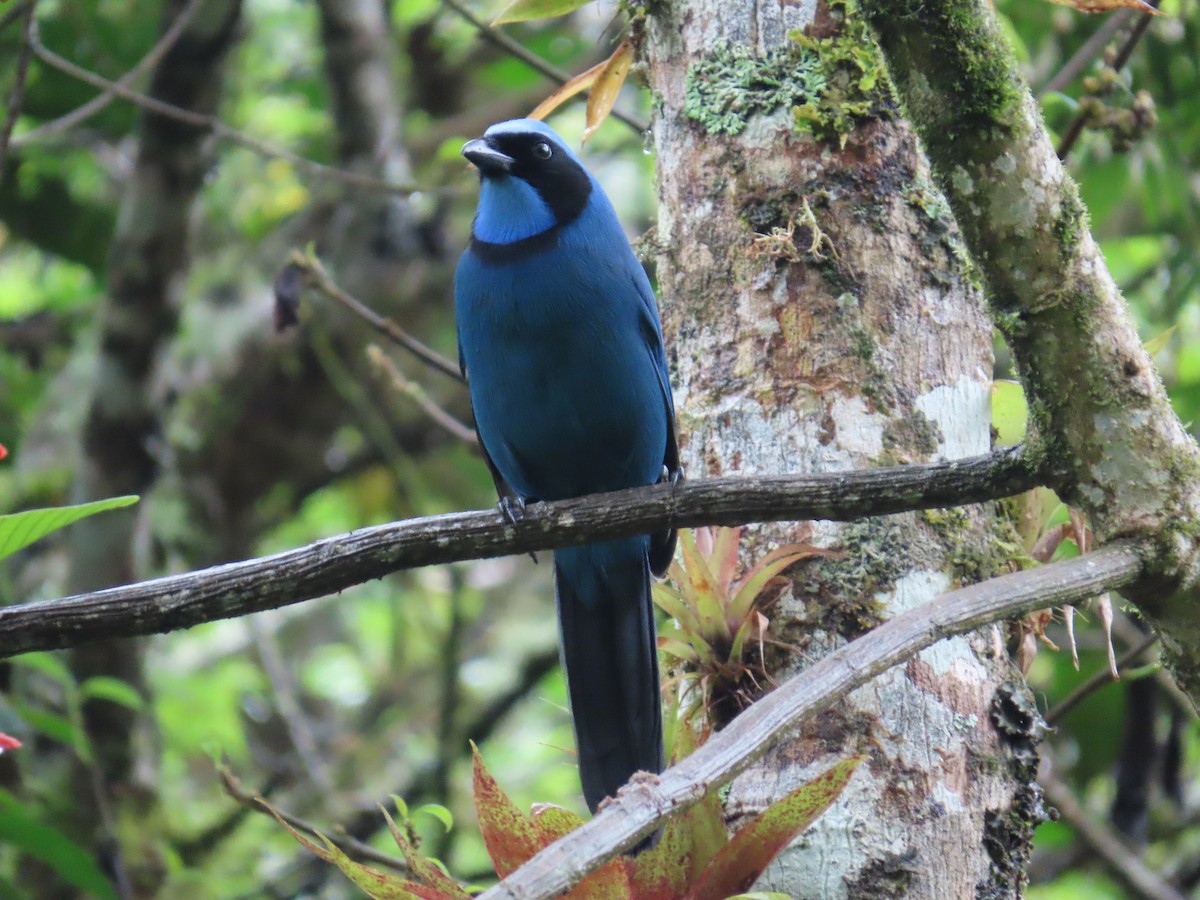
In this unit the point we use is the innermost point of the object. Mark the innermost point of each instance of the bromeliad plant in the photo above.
(718, 635)
(694, 860)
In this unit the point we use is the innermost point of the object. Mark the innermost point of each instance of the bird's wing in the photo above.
(510, 500)
(662, 545)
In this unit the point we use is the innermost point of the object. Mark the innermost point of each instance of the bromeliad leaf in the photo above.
(739, 863)
(607, 87)
(19, 530)
(524, 10)
(688, 842)
(510, 836)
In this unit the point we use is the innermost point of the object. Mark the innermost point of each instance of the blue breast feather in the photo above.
(563, 351)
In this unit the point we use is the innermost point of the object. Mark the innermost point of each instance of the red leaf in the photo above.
(510, 836)
(6, 742)
(737, 866)
(689, 841)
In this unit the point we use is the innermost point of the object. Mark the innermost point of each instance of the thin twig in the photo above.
(642, 805)
(14, 12)
(1083, 57)
(16, 97)
(1075, 129)
(353, 848)
(317, 277)
(418, 395)
(334, 564)
(84, 112)
(1115, 856)
(214, 125)
(295, 721)
(1097, 680)
(515, 48)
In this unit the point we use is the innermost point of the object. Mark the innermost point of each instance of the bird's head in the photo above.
(531, 181)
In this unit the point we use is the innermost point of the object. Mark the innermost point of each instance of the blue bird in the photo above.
(559, 335)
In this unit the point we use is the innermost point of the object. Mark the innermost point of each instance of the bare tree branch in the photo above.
(16, 97)
(1109, 849)
(333, 564)
(1075, 129)
(1097, 680)
(317, 278)
(515, 48)
(1097, 403)
(85, 111)
(218, 128)
(1085, 55)
(642, 805)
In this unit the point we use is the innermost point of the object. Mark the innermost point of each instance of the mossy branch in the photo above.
(1095, 400)
(336, 563)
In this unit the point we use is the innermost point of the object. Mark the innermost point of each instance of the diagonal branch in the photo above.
(85, 111)
(334, 564)
(214, 125)
(1096, 402)
(641, 806)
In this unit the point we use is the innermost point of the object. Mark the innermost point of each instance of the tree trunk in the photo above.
(821, 317)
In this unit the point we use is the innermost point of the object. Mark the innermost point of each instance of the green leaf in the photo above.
(553, 822)
(705, 595)
(766, 569)
(49, 724)
(740, 862)
(1159, 342)
(19, 530)
(438, 812)
(47, 664)
(1009, 412)
(377, 885)
(524, 10)
(672, 603)
(70, 862)
(401, 806)
(424, 869)
(105, 687)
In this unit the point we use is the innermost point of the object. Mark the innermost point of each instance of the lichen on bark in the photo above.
(821, 316)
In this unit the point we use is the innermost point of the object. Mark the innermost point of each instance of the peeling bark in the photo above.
(822, 318)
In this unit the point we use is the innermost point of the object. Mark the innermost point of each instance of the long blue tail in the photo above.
(609, 651)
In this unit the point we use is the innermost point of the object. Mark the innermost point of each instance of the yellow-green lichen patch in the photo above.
(827, 84)
(730, 84)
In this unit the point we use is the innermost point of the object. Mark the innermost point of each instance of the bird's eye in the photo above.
(542, 150)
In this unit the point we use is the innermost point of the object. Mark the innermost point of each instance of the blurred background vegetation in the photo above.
(247, 441)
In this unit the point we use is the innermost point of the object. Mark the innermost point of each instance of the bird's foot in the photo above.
(670, 476)
(512, 508)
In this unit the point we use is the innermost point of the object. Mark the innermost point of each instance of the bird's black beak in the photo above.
(487, 158)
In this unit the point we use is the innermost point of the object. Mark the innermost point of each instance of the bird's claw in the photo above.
(670, 476)
(512, 508)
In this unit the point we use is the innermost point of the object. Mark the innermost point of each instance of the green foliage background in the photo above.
(387, 680)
